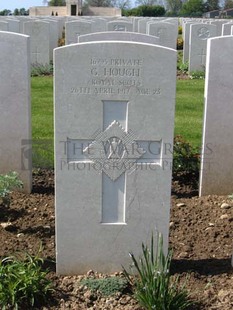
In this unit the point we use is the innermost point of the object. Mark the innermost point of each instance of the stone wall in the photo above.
(101, 11)
(47, 10)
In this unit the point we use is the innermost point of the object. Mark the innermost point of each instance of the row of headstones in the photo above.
(113, 188)
(46, 32)
(195, 35)
(166, 30)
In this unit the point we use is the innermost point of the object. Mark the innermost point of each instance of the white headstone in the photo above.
(142, 25)
(4, 26)
(15, 113)
(218, 24)
(199, 33)
(114, 119)
(53, 36)
(99, 25)
(118, 36)
(76, 28)
(22, 20)
(39, 33)
(226, 29)
(216, 174)
(167, 33)
(13, 25)
(186, 36)
(135, 23)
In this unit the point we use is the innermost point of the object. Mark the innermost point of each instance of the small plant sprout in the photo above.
(23, 283)
(153, 286)
(185, 156)
(9, 182)
(106, 286)
(195, 75)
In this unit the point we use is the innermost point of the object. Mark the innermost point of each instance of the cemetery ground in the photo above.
(200, 228)
(200, 237)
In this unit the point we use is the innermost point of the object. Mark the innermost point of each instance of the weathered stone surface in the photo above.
(114, 119)
(15, 112)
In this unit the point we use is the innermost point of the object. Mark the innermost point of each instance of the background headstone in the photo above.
(216, 173)
(13, 25)
(53, 36)
(4, 26)
(199, 33)
(119, 26)
(15, 113)
(119, 36)
(74, 29)
(186, 36)
(39, 33)
(226, 29)
(167, 33)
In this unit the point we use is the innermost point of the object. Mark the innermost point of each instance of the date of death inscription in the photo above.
(116, 77)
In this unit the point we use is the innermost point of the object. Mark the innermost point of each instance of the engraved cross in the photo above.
(114, 151)
(203, 57)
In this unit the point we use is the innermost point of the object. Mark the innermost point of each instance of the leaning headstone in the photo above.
(39, 33)
(216, 174)
(114, 117)
(15, 114)
(199, 33)
(118, 36)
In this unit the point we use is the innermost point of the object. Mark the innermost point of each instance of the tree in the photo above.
(211, 5)
(122, 4)
(174, 6)
(16, 12)
(146, 10)
(57, 3)
(192, 8)
(146, 2)
(5, 12)
(228, 4)
(23, 11)
(100, 3)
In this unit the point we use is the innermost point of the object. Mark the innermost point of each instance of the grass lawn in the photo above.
(42, 121)
(188, 118)
(189, 110)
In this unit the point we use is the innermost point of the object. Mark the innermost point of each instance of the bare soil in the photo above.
(201, 234)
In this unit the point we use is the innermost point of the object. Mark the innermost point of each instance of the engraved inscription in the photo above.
(203, 57)
(203, 33)
(119, 28)
(116, 76)
(161, 32)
